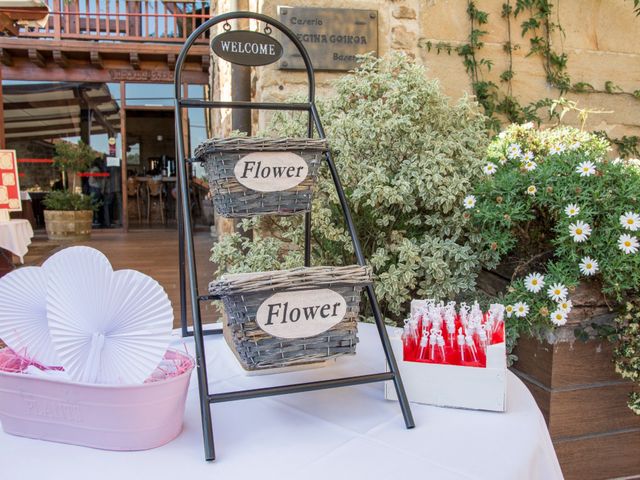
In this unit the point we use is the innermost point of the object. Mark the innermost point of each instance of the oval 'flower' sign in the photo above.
(302, 313)
(271, 171)
(248, 48)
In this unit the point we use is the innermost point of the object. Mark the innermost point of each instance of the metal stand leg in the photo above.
(373, 301)
(187, 239)
(181, 265)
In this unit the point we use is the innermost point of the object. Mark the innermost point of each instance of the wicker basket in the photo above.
(279, 180)
(259, 347)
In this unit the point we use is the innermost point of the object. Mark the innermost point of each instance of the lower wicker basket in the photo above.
(292, 317)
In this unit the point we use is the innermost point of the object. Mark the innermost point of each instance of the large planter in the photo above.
(71, 226)
(583, 399)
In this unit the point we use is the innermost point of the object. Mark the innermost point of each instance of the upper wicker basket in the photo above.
(278, 180)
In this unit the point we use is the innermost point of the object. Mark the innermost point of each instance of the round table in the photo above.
(346, 433)
(15, 236)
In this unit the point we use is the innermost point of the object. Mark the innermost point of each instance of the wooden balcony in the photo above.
(160, 21)
(109, 40)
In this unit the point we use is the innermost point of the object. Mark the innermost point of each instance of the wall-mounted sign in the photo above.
(332, 36)
(9, 184)
(271, 171)
(302, 313)
(244, 47)
(141, 75)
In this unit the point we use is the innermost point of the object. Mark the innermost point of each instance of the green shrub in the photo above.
(72, 158)
(65, 200)
(407, 156)
(560, 209)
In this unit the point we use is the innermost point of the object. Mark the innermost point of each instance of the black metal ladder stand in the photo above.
(186, 248)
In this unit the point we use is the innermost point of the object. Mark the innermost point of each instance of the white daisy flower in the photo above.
(565, 306)
(514, 151)
(628, 243)
(556, 149)
(527, 156)
(530, 165)
(534, 282)
(630, 221)
(588, 266)
(489, 168)
(559, 318)
(586, 169)
(527, 126)
(572, 210)
(509, 309)
(557, 292)
(469, 201)
(580, 231)
(575, 146)
(502, 135)
(531, 190)
(521, 309)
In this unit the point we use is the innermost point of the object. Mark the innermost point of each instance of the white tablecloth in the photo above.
(15, 236)
(347, 433)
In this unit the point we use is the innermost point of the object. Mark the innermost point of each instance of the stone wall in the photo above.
(601, 42)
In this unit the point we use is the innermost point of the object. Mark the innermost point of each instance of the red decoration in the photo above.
(9, 183)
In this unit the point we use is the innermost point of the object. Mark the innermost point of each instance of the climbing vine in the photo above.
(539, 25)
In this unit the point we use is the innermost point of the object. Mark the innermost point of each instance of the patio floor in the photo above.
(151, 251)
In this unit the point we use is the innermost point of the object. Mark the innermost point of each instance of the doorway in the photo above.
(151, 166)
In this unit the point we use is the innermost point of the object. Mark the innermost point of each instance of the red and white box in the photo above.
(478, 387)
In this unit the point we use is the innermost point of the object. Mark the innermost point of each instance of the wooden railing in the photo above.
(162, 21)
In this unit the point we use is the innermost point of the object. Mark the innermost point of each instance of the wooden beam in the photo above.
(82, 46)
(171, 61)
(96, 59)
(97, 114)
(2, 134)
(60, 59)
(134, 60)
(36, 57)
(205, 61)
(123, 153)
(43, 129)
(76, 72)
(50, 103)
(5, 57)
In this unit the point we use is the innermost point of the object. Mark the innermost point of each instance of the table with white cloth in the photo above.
(15, 236)
(349, 433)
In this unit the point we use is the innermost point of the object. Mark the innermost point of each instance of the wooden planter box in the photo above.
(582, 398)
(584, 402)
(70, 226)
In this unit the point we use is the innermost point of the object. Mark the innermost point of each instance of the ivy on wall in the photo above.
(538, 24)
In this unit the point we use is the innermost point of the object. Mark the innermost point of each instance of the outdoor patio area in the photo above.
(151, 251)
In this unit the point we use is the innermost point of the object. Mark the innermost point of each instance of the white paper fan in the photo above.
(23, 315)
(107, 327)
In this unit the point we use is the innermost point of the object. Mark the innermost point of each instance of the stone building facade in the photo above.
(600, 40)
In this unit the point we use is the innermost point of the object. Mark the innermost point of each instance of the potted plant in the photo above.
(563, 223)
(68, 215)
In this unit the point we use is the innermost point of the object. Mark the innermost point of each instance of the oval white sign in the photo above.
(302, 313)
(271, 171)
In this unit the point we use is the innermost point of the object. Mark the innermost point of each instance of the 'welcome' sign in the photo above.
(271, 171)
(244, 47)
(301, 314)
